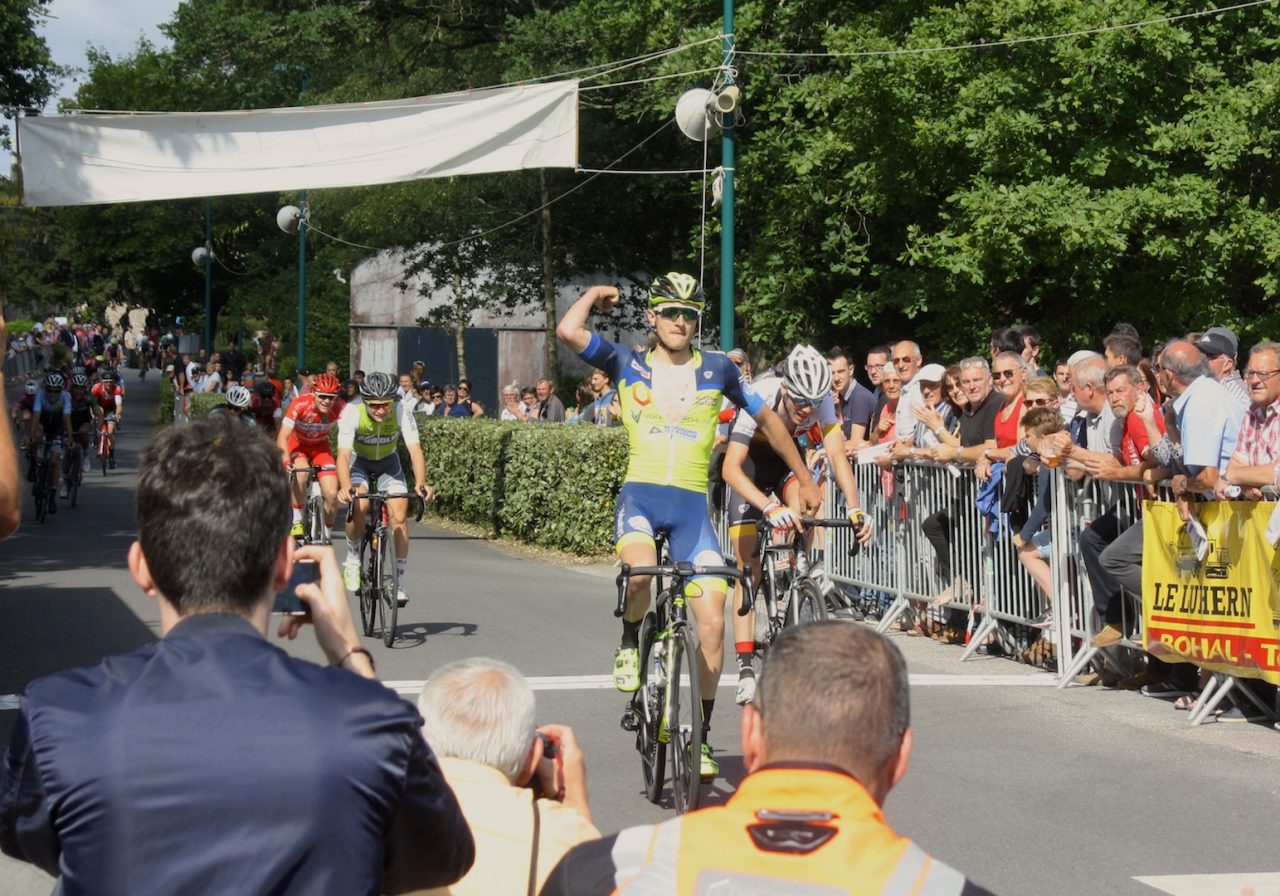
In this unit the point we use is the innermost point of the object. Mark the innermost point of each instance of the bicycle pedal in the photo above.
(630, 720)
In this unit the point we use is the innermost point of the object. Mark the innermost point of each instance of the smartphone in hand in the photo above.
(287, 603)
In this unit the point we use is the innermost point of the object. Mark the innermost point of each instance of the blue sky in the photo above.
(113, 25)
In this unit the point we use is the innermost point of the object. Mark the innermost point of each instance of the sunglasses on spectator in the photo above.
(1039, 402)
(905, 359)
(675, 312)
(1263, 375)
(1004, 374)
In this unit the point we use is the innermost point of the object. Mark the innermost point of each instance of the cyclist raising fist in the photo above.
(670, 400)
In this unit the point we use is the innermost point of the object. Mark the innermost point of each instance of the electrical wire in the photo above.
(599, 70)
(337, 239)
(699, 71)
(1013, 41)
(575, 188)
(674, 171)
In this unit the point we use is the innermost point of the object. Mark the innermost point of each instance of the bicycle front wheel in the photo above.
(807, 603)
(388, 585)
(313, 521)
(648, 705)
(367, 592)
(684, 718)
(103, 453)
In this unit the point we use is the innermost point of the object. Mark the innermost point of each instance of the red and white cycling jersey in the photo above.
(108, 396)
(310, 426)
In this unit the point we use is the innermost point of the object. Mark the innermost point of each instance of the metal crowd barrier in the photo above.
(19, 363)
(988, 591)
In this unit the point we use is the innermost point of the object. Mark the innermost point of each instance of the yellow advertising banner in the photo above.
(1221, 612)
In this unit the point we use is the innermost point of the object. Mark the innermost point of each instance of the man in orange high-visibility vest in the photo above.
(824, 741)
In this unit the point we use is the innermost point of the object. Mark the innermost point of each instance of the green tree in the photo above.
(28, 74)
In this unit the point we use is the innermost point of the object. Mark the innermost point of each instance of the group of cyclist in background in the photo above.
(370, 427)
(71, 406)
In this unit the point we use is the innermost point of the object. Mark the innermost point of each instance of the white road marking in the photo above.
(1264, 884)
(605, 683)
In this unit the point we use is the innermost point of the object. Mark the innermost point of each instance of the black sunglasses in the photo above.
(677, 313)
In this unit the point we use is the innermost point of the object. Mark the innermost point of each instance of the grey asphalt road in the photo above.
(1028, 789)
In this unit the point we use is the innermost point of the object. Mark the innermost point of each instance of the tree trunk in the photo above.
(550, 356)
(459, 327)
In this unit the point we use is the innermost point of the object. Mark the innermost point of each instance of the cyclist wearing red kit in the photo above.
(304, 439)
(111, 400)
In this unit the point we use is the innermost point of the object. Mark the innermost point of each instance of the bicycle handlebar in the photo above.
(809, 522)
(323, 468)
(681, 572)
(388, 496)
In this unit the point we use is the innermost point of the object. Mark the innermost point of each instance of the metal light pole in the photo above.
(208, 276)
(726, 207)
(302, 234)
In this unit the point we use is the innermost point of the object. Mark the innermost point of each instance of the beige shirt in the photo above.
(501, 819)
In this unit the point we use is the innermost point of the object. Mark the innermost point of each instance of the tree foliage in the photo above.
(1124, 174)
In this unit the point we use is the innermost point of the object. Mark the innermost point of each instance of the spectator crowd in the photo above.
(1195, 412)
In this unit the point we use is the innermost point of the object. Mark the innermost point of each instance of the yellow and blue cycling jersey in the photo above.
(662, 452)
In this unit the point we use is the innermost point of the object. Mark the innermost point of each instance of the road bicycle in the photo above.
(104, 441)
(379, 577)
(791, 591)
(315, 529)
(73, 468)
(43, 492)
(666, 711)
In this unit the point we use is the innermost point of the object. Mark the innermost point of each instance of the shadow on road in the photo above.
(416, 635)
(45, 630)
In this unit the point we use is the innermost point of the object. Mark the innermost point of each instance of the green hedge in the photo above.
(548, 484)
(204, 402)
(164, 411)
(201, 403)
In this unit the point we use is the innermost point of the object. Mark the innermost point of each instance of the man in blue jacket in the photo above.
(211, 761)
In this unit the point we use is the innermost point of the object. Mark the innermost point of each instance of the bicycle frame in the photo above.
(314, 494)
(667, 642)
(770, 549)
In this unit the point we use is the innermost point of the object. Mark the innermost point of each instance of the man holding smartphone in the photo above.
(193, 764)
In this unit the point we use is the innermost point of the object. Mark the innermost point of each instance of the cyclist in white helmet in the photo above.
(763, 487)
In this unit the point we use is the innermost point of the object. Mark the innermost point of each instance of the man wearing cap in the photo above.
(1220, 346)
(920, 431)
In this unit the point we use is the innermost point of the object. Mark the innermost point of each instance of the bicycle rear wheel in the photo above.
(684, 716)
(648, 705)
(807, 603)
(77, 473)
(41, 492)
(368, 588)
(388, 585)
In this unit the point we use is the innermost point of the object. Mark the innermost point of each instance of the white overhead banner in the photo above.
(90, 159)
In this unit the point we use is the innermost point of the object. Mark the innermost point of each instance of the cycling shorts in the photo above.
(644, 508)
(317, 455)
(767, 472)
(386, 475)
